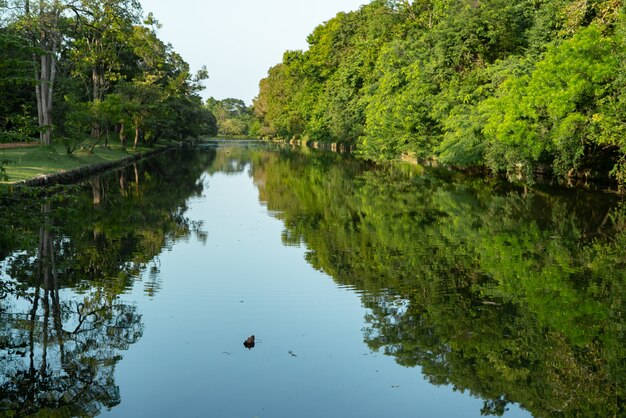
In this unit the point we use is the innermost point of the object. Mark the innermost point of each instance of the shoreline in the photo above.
(77, 174)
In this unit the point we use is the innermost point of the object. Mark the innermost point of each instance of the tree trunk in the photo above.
(98, 138)
(136, 137)
(122, 135)
(47, 39)
(46, 83)
(136, 179)
(96, 188)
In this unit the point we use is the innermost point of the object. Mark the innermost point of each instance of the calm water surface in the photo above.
(370, 292)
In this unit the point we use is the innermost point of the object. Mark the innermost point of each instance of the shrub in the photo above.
(8, 137)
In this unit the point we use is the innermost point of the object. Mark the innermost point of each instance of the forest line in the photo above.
(78, 69)
(531, 86)
(525, 87)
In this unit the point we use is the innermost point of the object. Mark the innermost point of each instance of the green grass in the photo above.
(28, 163)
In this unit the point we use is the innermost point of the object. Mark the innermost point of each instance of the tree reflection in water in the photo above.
(60, 353)
(64, 265)
(513, 294)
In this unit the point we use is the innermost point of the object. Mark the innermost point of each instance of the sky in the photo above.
(239, 40)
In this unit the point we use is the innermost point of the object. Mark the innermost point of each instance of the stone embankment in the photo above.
(335, 147)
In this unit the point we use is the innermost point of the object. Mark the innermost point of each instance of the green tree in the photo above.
(551, 116)
(42, 23)
(16, 79)
(102, 32)
(233, 116)
(461, 82)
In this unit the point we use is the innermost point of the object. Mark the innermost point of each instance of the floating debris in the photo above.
(249, 342)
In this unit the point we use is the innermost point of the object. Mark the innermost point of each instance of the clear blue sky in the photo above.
(239, 40)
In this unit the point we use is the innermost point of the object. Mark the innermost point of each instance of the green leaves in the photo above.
(317, 94)
(92, 51)
(233, 117)
(518, 87)
(547, 117)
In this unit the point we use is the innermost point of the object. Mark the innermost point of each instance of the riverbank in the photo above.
(47, 165)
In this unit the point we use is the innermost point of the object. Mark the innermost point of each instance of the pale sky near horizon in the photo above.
(239, 40)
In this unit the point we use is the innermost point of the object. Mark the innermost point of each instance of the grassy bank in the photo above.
(28, 163)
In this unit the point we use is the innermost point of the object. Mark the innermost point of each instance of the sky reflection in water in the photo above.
(310, 358)
(370, 292)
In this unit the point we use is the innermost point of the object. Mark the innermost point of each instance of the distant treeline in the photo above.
(77, 69)
(234, 118)
(519, 86)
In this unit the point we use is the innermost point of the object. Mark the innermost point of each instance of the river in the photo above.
(370, 292)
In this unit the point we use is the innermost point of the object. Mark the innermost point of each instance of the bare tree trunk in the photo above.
(45, 86)
(98, 137)
(95, 80)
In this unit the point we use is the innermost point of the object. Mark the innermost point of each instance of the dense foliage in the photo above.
(515, 86)
(93, 68)
(233, 117)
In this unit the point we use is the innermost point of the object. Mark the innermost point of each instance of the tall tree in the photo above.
(41, 21)
(102, 31)
(16, 81)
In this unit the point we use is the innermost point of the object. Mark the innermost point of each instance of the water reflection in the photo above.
(57, 352)
(513, 294)
(65, 262)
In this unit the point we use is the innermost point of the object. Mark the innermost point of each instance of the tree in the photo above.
(16, 81)
(102, 29)
(551, 115)
(233, 116)
(41, 23)
(461, 82)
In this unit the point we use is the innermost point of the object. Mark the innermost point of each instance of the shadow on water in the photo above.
(65, 260)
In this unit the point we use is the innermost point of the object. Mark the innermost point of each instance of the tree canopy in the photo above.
(233, 117)
(71, 70)
(516, 87)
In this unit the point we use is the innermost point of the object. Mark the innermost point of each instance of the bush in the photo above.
(71, 141)
(8, 137)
